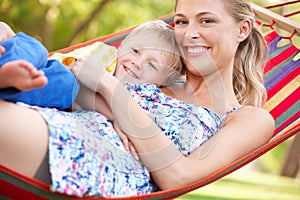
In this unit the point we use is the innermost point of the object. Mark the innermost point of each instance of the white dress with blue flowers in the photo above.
(87, 158)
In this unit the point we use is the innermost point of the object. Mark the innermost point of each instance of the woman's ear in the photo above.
(244, 30)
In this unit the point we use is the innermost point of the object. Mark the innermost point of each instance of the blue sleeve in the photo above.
(24, 47)
(6, 93)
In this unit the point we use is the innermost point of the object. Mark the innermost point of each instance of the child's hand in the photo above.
(127, 144)
(5, 32)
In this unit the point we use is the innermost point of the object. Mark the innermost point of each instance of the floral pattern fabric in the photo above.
(87, 158)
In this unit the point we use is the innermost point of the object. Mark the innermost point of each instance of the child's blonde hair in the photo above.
(168, 45)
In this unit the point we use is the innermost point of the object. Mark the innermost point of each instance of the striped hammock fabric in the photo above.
(282, 82)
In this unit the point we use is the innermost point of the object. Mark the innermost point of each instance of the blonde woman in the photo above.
(222, 122)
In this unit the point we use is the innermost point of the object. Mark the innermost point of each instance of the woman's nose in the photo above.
(192, 31)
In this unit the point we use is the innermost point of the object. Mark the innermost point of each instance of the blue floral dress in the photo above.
(87, 158)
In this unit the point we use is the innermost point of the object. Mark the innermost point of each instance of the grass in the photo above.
(247, 184)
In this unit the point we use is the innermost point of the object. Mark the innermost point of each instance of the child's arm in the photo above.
(90, 100)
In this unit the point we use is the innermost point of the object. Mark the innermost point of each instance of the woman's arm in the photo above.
(155, 149)
(241, 133)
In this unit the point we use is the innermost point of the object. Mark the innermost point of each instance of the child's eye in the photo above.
(135, 51)
(153, 66)
(150, 66)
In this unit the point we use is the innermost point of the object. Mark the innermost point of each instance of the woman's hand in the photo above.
(127, 144)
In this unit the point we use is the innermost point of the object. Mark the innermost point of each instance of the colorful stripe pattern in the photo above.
(282, 82)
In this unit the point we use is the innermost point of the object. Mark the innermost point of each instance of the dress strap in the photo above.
(233, 109)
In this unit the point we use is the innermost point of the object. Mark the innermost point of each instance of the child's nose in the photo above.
(138, 62)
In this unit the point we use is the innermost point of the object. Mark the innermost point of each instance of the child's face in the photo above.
(140, 62)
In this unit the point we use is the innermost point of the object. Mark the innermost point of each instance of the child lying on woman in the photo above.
(149, 54)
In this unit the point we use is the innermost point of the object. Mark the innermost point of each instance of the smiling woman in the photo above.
(207, 28)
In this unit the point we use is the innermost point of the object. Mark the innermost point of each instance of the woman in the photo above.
(224, 71)
(215, 60)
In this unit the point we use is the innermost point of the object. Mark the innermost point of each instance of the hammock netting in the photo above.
(282, 81)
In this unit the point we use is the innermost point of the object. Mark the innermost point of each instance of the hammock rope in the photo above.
(282, 4)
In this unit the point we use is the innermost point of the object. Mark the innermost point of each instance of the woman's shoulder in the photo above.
(251, 113)
(252, 117)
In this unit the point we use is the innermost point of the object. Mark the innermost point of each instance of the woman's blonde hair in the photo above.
(166, 39)
(250, 58)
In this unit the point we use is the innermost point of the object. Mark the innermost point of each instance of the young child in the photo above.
(149, 54)
(28, 76)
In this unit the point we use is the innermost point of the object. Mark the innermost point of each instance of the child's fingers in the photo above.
(122, 136)
(127, 144)
(124, 140)
(76, 66)
(133, 151)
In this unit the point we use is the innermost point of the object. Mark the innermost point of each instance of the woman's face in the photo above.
(206, 34)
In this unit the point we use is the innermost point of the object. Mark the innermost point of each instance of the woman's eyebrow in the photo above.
(198, 15)
(178, 15)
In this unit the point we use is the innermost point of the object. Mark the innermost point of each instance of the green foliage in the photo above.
(272, 162)
(247, 185)
(60, 23)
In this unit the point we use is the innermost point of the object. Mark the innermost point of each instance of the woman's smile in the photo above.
(193, 51)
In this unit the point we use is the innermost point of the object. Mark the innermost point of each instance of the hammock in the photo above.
(282, 79)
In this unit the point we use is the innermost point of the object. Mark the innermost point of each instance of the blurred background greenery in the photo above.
(61, 23)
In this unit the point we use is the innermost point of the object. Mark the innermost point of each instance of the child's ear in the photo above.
(244, 30)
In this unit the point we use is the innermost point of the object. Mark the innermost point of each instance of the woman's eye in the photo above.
(206, 21)
(180, 22)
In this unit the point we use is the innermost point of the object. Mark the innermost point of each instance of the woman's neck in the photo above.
(214, 92)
